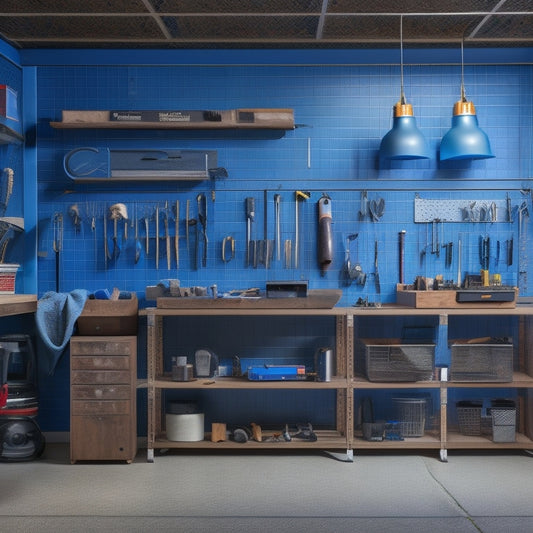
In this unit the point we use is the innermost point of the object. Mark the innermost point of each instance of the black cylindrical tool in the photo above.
(401, 244)
(325, 239)
(58, 243)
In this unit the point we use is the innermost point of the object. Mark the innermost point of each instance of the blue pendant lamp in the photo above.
(465, 139)
(404, 140)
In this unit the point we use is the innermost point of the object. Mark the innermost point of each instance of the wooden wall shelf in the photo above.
(236, 119)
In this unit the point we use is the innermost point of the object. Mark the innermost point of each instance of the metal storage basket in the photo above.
(411, 415)
(469, 417)
(481, 362)
(503, 414)
(385, 360)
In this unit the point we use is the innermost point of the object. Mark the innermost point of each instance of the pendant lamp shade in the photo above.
(465, 139)
(404, 140)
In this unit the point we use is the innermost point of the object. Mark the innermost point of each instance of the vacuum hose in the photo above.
(325, 240)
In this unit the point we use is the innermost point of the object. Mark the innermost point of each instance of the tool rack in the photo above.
(345, 440)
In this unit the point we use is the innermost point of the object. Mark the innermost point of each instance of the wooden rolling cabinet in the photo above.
(103, 419)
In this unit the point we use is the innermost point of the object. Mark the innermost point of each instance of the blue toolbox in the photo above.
(277, 373)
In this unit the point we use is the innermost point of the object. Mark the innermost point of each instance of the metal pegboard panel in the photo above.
(427, 210)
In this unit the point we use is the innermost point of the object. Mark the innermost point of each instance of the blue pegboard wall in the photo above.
(83, 264)
(342, 113)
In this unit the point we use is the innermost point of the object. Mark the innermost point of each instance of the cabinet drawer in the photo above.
(103, 392)
(112, 407)
(97, 438)
(107, 346)
(117, 362)
(104, 377)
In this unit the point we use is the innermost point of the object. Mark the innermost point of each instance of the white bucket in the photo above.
(185, 428)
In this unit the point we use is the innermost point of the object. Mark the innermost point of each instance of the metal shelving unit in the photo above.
(338, 439)
(344, 439)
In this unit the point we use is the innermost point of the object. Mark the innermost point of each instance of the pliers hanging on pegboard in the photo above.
(377, 209)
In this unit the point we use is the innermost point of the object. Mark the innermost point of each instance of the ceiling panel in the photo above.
(87, 28)
(207, 7)
(73, 6)
(246, 28)
(265, 23)
(511, 28)
(409, 6)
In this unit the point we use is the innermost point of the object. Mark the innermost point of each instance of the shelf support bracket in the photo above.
(343, 457)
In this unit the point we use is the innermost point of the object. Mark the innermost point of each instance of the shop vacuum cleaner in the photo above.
(20, 436)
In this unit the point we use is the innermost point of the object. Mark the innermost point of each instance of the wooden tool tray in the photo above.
(447, 299)
(315, 299)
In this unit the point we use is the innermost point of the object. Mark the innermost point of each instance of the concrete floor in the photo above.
(297, 492)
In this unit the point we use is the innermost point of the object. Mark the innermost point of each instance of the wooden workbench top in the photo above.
(17, 304)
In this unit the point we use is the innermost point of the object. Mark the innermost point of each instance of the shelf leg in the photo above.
(444, 455)
(344, 457)
(150, 455)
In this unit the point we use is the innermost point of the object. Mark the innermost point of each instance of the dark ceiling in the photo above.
(175, 24)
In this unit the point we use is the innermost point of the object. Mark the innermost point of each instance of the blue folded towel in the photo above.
(102, 294)
(55, 318)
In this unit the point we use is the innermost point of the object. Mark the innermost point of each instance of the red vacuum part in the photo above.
(3, 395)
(23, 411)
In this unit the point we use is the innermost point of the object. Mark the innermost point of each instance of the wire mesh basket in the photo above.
(469, 417)
(387, 360)
(503, 414)
(411, 415)
(481, 362)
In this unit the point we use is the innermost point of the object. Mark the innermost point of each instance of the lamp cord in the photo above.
(402, 94)
(463, 92)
